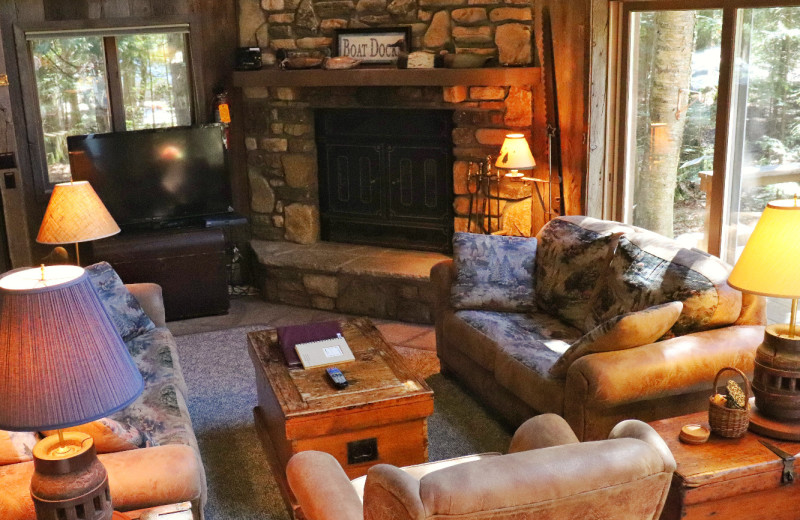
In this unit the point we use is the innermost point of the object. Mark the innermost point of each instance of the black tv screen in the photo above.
(152, 178)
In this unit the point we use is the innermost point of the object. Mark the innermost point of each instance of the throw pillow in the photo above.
(122, 307)
(493, 272)
(570, 265)
(111, 436)
(16, 446)
(619, 333)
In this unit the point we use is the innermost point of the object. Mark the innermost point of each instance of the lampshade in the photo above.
(515, 154)
(62, 361)
(770, 262)
(75, 214)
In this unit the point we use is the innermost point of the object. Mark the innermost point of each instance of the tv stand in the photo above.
(187, 262)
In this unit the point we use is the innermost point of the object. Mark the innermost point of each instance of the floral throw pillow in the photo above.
(16, 446)
(619, 333)
(122, 307)
(111, 436)
(493, 272)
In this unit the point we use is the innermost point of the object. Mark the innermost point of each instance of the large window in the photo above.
(91, 83)
(710, 123)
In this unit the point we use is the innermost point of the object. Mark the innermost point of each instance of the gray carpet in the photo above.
(222, 394)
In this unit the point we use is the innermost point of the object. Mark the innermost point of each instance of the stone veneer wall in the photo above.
(279, 125)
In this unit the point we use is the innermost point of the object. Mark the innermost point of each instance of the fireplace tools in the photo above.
(479, 188)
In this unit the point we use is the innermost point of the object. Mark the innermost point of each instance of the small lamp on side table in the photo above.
(75, 214)
(64, 364)
(770, 266)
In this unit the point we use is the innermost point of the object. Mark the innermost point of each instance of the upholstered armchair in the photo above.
(547, 473)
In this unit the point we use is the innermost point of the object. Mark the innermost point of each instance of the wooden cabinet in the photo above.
(188, 264)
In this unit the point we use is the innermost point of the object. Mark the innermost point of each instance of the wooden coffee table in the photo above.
(381, 417)
(727, 478)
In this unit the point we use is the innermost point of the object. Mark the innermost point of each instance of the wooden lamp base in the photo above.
(777, 429)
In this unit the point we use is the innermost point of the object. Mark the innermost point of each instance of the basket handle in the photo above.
(744, 377)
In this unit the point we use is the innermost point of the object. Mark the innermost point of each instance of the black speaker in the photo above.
(248, 58)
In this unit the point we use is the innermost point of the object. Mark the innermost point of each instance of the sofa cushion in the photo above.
(621, 332)
(156, 357)
(111, 436)
(648, 269)
(16, 446)
(570, 262)
(493, 272)
(121, 306)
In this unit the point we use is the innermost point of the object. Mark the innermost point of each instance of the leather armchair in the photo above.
(547, 473)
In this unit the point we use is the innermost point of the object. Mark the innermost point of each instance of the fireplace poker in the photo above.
(471, 193)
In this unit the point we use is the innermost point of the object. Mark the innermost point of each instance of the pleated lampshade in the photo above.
(62, 361)
(75, 214)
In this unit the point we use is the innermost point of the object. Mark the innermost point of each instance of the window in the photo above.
(709, 130)
(94, 83)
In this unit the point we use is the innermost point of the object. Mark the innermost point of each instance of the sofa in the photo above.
(159, 462)
(547, 473)
(592, 320)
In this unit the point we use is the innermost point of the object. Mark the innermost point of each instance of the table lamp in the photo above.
(63, 364)
(770, 266)
(515, 155)
(75, 214)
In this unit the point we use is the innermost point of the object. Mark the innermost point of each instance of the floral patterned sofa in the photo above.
(148, 448)
(592, 320)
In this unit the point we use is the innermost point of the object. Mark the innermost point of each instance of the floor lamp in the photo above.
(75, 214)
(63, 364)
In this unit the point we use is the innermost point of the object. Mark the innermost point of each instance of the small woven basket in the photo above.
(729, 422)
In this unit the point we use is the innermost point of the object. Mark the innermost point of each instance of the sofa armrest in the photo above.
(322, 488)
(151, 298)
(542, 431)
(443, 275)
(634, 429)
(671, 367)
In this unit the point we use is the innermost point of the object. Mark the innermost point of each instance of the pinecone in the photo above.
(735, 397)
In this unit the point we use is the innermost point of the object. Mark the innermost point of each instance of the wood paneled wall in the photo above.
(214, 40)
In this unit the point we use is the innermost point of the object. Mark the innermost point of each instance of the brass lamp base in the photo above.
(69, 481)
(776, 375)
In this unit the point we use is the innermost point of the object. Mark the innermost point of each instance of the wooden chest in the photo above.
(381, 417)
(727, 478)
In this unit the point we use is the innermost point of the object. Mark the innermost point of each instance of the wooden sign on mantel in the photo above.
(372, 46)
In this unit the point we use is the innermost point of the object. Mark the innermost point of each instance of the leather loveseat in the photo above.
(587, 274)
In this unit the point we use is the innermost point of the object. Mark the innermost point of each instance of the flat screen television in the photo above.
(155, 178)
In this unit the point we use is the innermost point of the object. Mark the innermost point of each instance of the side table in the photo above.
(727, 478)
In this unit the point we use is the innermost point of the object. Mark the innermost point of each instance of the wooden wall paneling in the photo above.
(25, 11)
(141, 8)
(56, 10)
(18, 200)
(539, 129)
(570, 29)
(597, 185)
(116, 9)
(174, 7)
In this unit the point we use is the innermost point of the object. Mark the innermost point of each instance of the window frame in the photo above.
(33, 121)
(620, 45)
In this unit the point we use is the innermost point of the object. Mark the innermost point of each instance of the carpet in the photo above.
(222, 394)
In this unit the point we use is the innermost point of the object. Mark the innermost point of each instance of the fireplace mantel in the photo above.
(385, 77)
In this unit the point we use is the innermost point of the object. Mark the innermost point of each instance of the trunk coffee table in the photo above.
(381, 417)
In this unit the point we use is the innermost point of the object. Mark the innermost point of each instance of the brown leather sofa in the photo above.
(546, 474)
(718, 327)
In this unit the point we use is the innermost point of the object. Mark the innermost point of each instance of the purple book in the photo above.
(291, 335)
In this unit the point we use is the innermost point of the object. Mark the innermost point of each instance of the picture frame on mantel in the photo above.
(372, 46)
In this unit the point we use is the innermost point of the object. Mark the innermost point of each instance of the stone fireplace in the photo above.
(280, 119)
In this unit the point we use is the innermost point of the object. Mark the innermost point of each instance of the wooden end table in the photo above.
(381, 417)
(727, 478)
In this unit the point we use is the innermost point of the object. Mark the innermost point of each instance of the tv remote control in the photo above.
(338, 379)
